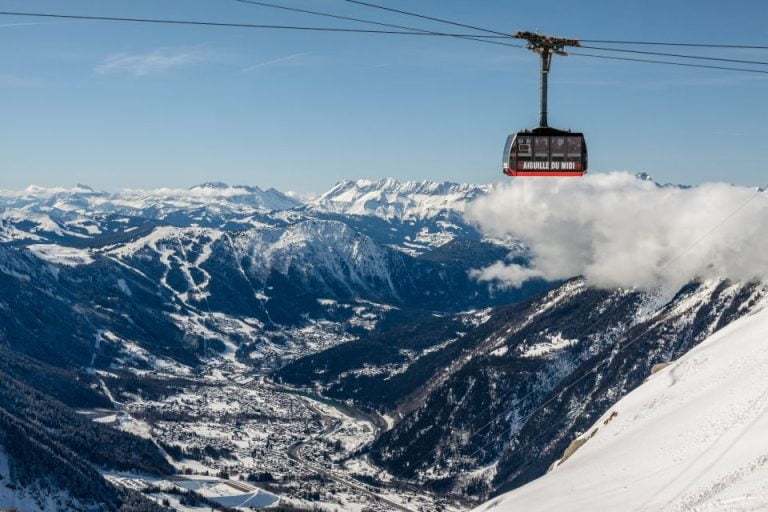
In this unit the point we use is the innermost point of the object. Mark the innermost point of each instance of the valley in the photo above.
(236, 427)
(233, 348)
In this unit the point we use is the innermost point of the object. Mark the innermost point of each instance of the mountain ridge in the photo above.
(689, 438)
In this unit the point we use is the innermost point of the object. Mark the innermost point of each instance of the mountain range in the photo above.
(364, 295)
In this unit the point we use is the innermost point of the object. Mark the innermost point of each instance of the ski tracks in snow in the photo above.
(687, 500)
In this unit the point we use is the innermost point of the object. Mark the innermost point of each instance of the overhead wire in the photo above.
(470, 37)
(430, 18)
(669, 63)
(497, 34)
(215, 23)
(691, 45)
(340, 17)
(654, 43)
(664, 54)
(416, 32)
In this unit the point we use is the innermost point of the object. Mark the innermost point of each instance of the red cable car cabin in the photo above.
(545, 152)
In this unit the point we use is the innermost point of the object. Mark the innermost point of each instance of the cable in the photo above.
(218, 24)
(504, 35)
(497, 34)
(692, 45)
(417, 32)
(336, 16)
(349, 30)
(674, 55)
(422, 16)
(371, 22)
(651, 61)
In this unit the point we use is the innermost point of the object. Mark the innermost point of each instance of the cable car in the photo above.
(545, 151)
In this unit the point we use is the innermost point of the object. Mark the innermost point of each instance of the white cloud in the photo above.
(508, 274)
(272, 62)
(156, 61)
(304, 197)
(618, 230)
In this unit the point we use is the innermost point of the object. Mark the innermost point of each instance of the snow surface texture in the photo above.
(391, 199)
(620, 230)
(694, 437)
(59, 255)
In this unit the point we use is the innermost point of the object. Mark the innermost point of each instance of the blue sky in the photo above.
(118, 105)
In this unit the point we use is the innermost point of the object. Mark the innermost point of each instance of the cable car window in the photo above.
(558, 146)
(574, 145)
(524, 146)
(541, 145)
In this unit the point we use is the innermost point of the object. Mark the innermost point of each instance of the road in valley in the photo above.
(377, 423)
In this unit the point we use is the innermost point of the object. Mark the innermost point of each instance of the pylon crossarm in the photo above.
(540, 42)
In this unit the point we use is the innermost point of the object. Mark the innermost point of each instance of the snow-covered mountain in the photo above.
(86, 200)
(234, 264)
(365, 294)
(391, 199)
(80, 215)
(210, 195)
(279, 273)
(694, 437)
(337, 254)
(412, 217)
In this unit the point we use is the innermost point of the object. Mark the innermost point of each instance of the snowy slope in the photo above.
(59, 255)
(391, 199)
(694, 437)
(329, 246)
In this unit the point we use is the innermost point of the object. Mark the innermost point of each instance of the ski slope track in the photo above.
(693, 437)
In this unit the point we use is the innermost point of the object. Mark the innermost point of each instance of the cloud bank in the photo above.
(618, 230)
